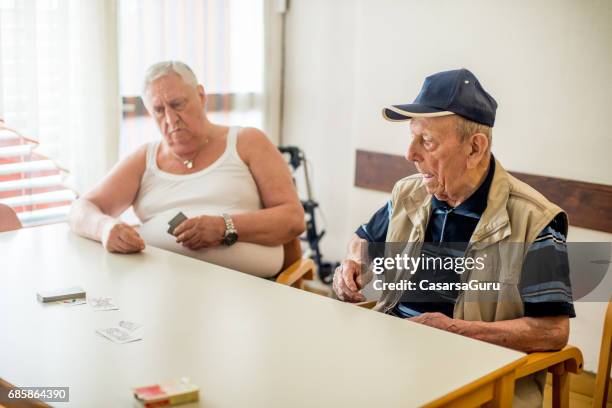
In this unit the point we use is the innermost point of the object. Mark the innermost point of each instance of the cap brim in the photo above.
(400, 113)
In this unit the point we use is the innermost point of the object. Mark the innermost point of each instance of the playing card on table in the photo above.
(102, 303)
(130, 326)
(118, 335)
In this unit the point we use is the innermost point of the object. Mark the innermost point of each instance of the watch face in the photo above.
(230, 238)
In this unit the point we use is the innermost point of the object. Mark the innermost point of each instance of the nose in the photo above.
(412, 153)
(171, 118)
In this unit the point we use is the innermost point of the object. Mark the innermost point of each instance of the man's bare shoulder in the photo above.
(134, 162)
(252, 141)
(124, 176)
(140, 153)
(252, 136)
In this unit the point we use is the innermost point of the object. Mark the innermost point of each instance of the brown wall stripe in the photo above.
(588, 205)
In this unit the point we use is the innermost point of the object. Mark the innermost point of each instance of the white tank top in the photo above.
(226, 186)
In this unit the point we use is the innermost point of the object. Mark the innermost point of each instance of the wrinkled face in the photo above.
(440, 156)
(178, 109)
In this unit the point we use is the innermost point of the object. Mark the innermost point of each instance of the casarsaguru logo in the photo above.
(424, 285)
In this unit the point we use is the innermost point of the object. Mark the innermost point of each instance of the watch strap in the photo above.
(229, 224)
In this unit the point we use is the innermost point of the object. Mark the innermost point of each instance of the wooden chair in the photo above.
(295, 268)
(602, 380)
(8, 219)
(559, 363)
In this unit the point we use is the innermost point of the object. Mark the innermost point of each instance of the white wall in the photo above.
(546, 62)
(319, 108)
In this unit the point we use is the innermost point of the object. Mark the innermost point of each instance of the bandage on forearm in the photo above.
(87, 220)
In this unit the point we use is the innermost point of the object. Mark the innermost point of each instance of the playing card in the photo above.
(130, 326)
(102, 303)
(118, 335)
(72, 302)
(176, 221)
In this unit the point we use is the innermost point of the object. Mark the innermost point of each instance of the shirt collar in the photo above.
(477, 202)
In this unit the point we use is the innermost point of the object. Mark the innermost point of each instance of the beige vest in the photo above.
(515, 213)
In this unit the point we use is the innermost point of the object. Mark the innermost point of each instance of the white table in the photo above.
(243, 340)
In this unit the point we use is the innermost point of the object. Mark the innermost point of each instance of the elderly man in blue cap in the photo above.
(462, 203)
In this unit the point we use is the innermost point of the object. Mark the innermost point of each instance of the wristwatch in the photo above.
(231, 235)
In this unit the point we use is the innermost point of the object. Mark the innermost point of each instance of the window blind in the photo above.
(30, 183)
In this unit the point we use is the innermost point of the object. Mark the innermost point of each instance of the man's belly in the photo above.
(254, 259)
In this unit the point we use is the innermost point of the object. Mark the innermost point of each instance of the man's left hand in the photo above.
(437, 320)
(200, 232)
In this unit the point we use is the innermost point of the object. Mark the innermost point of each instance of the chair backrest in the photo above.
(292, 252)
(602, 381)
(8, 219)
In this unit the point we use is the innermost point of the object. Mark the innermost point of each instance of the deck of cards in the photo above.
(175, 222)
(46, 296)
(175, 392)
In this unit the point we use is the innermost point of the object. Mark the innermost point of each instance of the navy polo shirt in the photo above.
(545, 293)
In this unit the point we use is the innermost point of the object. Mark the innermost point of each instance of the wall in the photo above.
(547, 63)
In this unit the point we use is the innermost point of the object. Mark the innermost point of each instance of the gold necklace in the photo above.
(189, 163)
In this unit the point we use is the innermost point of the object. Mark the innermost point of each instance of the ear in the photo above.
(201, 94)
(478, 146)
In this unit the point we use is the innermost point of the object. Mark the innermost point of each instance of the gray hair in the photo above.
(164, 68)
(466, 128)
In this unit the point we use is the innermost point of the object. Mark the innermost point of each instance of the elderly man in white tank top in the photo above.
(231, 183)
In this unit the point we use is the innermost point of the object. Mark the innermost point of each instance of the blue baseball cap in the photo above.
(448, 93)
